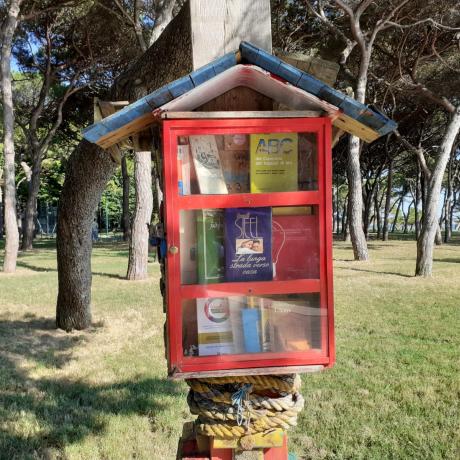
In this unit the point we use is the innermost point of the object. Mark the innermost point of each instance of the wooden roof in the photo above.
(264, 73)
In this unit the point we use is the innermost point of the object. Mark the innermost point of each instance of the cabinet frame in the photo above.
(273, 362)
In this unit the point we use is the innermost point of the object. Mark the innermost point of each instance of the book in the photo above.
(236, 142)
(307, 171)
(274, 162)
(248, 244)
(295, 246)
(236, 305)
(293, 323)
(188, 247)
(235, 167)
(207, 165)
(183, 169)
(210, 245)
(214, 326)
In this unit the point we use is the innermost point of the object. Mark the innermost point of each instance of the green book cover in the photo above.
(210, 238)
(274, 162)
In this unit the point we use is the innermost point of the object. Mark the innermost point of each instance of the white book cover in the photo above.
(183, 155)
(214, 326)
(207, 165)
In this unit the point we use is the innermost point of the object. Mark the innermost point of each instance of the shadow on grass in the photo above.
(449, 260)
(36, 268)
(61, 411)
(376, 272)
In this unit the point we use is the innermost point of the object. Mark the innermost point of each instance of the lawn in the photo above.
(102, 393)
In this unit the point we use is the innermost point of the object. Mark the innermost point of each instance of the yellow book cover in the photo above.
(274, 162)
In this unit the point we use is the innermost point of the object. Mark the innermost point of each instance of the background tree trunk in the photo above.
(11, 224)
(355, 202)
(139, 242)
(30, 215)
(89, 164)
(386, 214)
(425, 243)
(126, 218)
(88, 170)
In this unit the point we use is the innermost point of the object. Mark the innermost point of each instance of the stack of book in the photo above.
(248, 244)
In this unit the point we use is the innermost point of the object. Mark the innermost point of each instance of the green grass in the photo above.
(102, 393)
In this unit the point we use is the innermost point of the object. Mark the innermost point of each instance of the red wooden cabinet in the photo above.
(248, 228)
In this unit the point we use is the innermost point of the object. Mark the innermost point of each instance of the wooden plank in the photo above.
(323, 70)
(273, 438)
(243, 114)
(238, 98)
(248, 371)
(129, 129)
(219, 26)
(352, 126)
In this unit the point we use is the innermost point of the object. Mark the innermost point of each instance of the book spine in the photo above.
(210, 241)
(251, 327)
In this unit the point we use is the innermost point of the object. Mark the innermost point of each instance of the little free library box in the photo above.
(246, 213)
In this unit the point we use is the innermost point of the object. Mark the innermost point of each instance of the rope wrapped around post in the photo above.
(233, 407)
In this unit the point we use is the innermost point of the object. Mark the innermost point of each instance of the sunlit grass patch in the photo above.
(103, 393)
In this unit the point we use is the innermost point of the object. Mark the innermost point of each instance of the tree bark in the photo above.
(30, 215)
(355, 202)
(425, 243)
(395, 221)
(11, 225)
(126, 218)
(388, 200)
(88, 170)
(93, 166)
(139, 242)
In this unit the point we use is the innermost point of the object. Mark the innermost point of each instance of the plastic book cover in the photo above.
(274, 162)
(295, 248)
(214, 326)
(210, 245)
(236, 142)
(188, 247)
(207, 165)
(293, 323)
(235, 166)
(248, 244)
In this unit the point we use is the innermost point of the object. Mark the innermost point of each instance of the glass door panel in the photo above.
(249, 244)
(227, 164)
(253, 324)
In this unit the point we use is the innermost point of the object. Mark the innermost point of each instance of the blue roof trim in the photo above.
(363, 114)
(158, 98)
(251, 54)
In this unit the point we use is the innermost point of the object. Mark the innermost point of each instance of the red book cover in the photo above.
(295, 249)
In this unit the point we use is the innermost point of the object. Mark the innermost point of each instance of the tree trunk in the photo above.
(355, 202)
(378, 219)
(418, 193)
(126, 219)
(395, 221)
(93, 166)
(11, 224)
(438, 236)
(30, 216)
(425, 243)
(386, 214)
(1, 207)
(139, 243)
(88, 170)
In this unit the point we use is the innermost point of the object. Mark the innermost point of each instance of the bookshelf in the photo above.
(248, 205)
